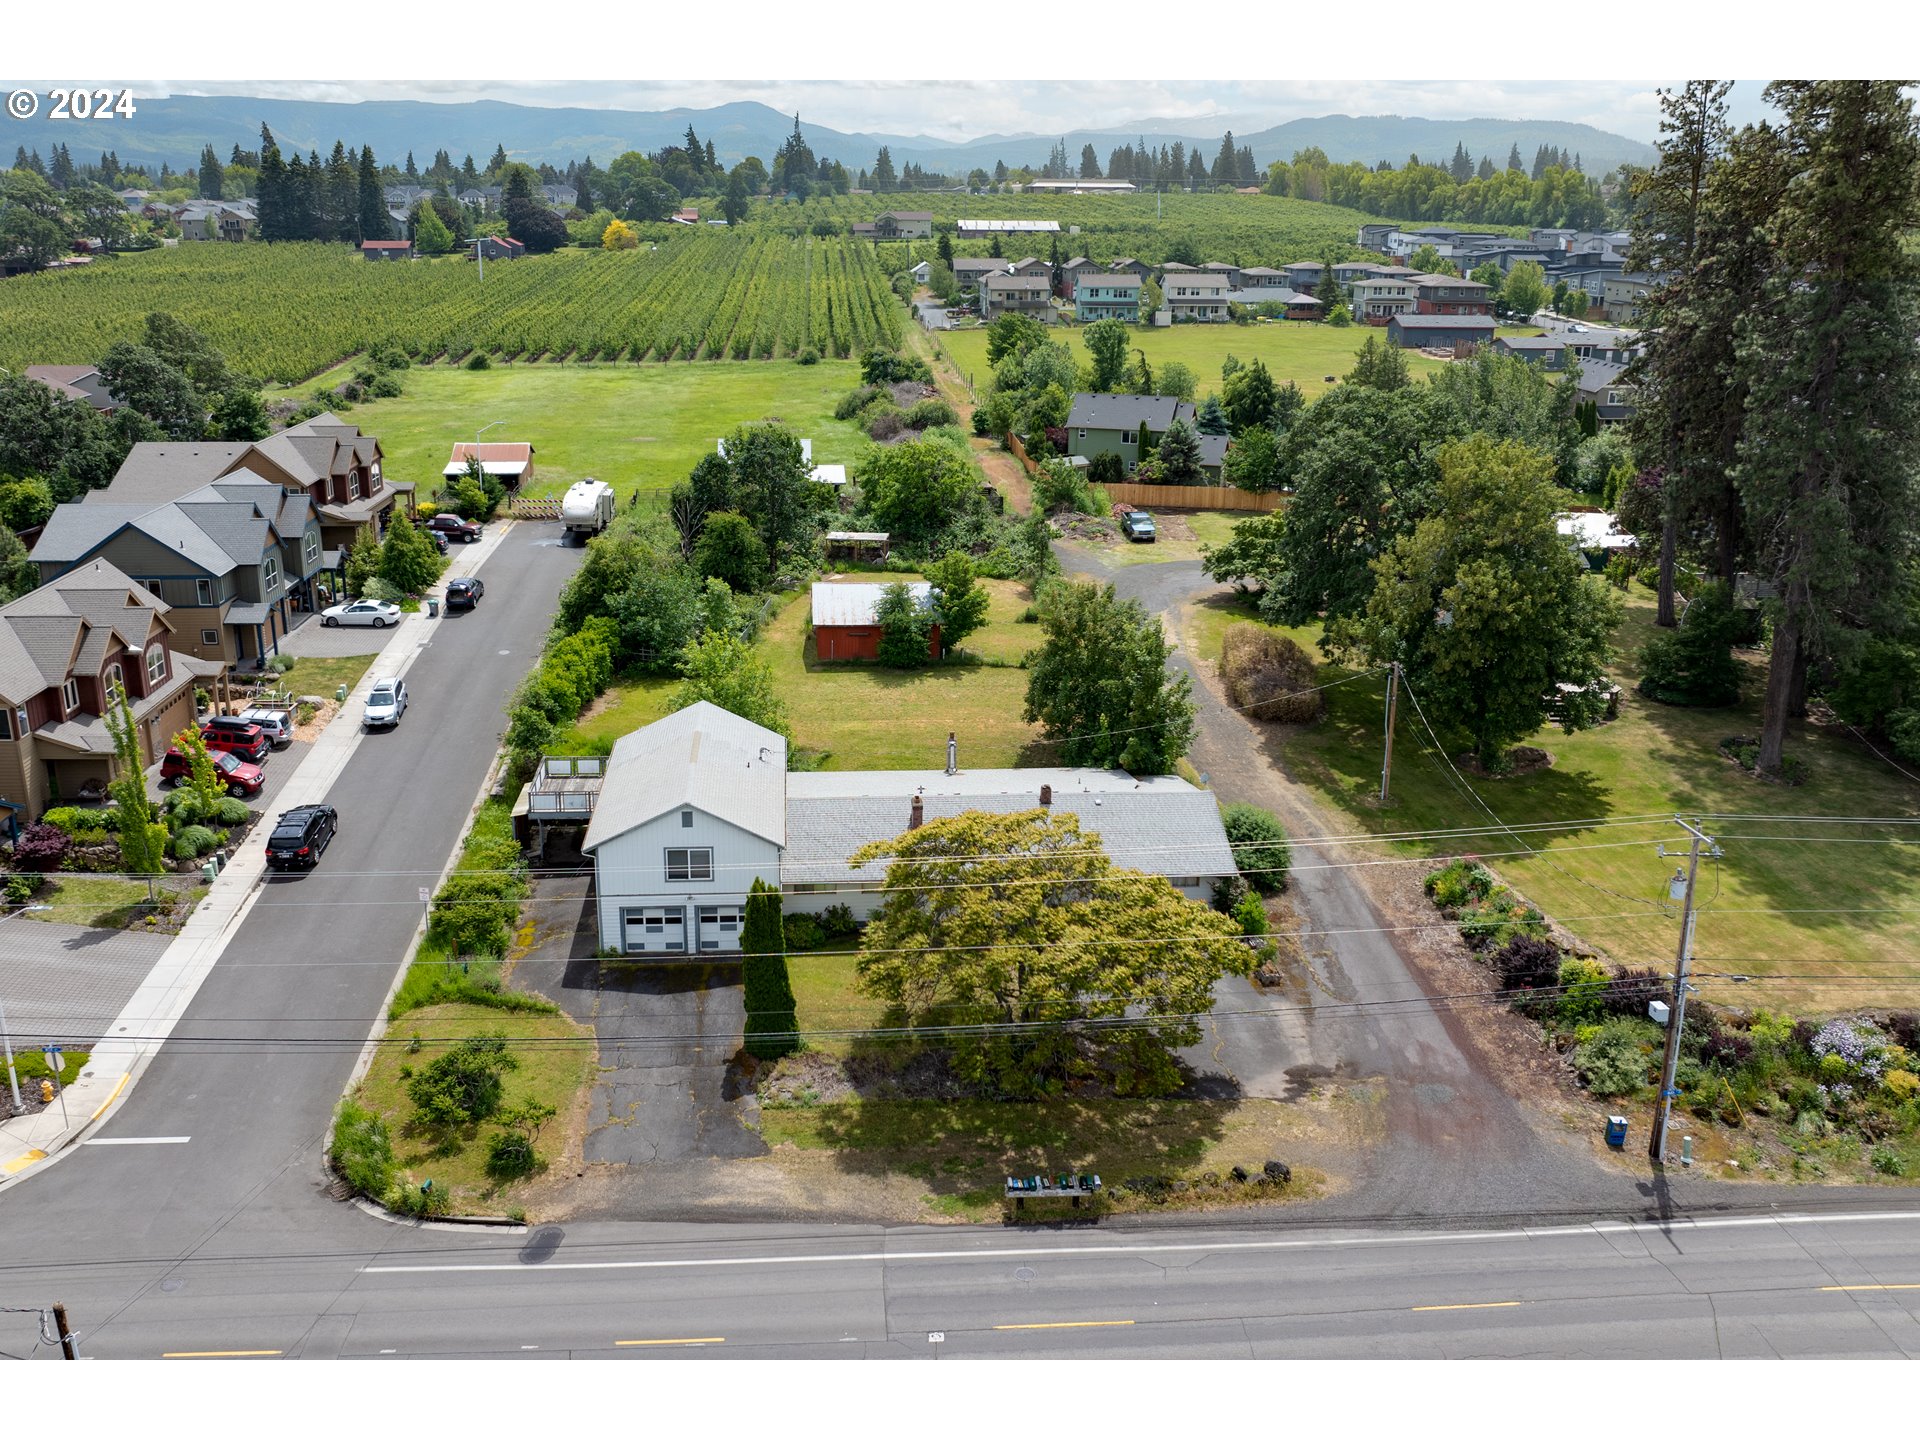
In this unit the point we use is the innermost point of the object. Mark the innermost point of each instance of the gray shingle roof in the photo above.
(1159, 824)
(701, 757)
(74, 529)
(79, 614)
(1125, 412)
(1213, 448)
(1443, 322)
(155, 472)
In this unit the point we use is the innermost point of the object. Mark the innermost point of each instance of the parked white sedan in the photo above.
(377, 613)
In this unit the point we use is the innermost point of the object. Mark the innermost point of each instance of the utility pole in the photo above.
(1393, 700)
(13, 1080)
(1677, 1015)
(69, 1348)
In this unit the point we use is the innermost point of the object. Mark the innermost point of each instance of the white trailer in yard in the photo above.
(587, 508)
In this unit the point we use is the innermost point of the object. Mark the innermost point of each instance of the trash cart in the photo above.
(1617, 1131)
(433, 607)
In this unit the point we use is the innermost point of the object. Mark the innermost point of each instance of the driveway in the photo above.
(1457, 1142)
(67, 982)
(665, 1035)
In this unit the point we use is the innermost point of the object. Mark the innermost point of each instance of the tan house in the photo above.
(234, 558)
(1016, 295)
(62, 648)
(1195, 295)
(337, 468)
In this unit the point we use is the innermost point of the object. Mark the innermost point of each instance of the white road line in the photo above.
(1203, 1247)
(142, 1140)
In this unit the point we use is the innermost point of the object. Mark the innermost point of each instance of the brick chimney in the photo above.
(917, 816)
(1046, 796)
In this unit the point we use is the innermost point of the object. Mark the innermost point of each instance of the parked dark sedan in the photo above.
(465, 592)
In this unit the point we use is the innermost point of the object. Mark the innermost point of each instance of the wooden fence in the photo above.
(1172, 497)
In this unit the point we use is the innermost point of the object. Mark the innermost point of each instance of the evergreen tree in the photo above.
(1212, 419)
(1089, 163)
(1485, 172)
(767, 993)
(272, 191)
(499, 160)
(1542, 158)
(1179, 455)
(60, 174)
(1226, 165)
(412, 171)
(884, 178)
(1462, 167)
(1831, 446)
(342, 191)
(1513, 157)
(142, 842)
(373, 223)
(211, 175)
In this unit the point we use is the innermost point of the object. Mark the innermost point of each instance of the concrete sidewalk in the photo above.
(134, 1036)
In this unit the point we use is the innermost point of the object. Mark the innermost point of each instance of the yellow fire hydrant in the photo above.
(46, 1092)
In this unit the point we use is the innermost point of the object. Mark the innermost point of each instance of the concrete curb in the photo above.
(456, 1223)
(149, 1016)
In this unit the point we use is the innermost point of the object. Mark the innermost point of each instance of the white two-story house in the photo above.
(692, 811)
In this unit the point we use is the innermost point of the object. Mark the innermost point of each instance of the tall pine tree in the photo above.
(373, 221)
(211, 175)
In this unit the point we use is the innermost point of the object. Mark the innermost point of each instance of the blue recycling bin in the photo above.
(1617, 1131)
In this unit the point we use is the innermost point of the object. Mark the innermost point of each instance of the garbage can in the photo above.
(1617, 1131)
(208, 871)
(340, 695)
(433, 607)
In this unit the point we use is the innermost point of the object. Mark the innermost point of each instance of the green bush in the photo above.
(1583, 997)
(479, 361)
(229, 811)
(838, 920)
(931, 412)
(436, 979)
(464, 1084)
(474, 913)
(362, 1150)
(75, 822)
(1458, 883)
(1614, 1061)
(854, 401)
(1250, 915)
(801, 932)
(1259, 846)
(808, 356)
(20, 888)
(192, 842)
(1694, 664)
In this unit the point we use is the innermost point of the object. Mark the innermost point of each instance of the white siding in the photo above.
(630, 872)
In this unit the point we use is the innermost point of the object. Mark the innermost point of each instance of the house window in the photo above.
(269, 574)
(203, 591)
(154, 586)
(690, 864)
(1613, 397)
(156, 663)
(686, 819)
(210, 637)
(6, 724)
(116, 678)
(1126, 437)
(312, 547)
(70, 694)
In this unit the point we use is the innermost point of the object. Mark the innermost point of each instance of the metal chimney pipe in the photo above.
(953, 754)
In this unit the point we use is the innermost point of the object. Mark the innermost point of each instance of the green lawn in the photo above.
(1302, 351)
(637, 427)
(322, 675)
(860, 716)
(826, 996)
(103, 902)
(553, 1072)
(1803, 902)
(1210, 527)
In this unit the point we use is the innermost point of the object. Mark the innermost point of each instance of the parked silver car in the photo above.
(386, 704)
(277, 723)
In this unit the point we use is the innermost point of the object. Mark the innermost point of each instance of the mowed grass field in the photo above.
(640, 428)
(863, 717)
(1831, 909)
(1298, 350)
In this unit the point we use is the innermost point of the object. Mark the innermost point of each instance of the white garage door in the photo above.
(654, 930)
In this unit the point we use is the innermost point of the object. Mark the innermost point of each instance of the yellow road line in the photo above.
(1870, 1287)
(695, 1340)
(215, 1354)
(15, 1166)
(111, 1098)
(1482, 1305)
(1065, 1325)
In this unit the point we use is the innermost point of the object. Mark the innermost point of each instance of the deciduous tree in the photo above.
(1099, 685)
(724, 670)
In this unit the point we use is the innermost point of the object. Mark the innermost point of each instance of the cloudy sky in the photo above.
(958, 110)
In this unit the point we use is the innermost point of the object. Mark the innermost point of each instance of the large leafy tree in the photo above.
(1106, 342)
(729, 549)
(770, 483)
(1512, 399)
(1021, 925)
(139, 378)
(1249, 397)
(1100, 686)
(961, 600)
(1831, 447)
(1485, 605)
(409, 561)
(1363, 469)
(915, 490)
(724, 670)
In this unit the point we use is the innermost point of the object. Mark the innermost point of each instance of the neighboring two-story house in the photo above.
(1378, 299)
(1195, 295)
(62, 649)
(338, 469)
(1100, 424)
(76, 382)
(897, 225)
(694, 808)
(1097, 296)
(1016, 295)
(1547, 351)
(1623, 294)
(1602, 384)
(1451, 295)
(969, 269)
(232, 557)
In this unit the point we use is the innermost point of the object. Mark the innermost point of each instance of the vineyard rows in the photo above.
(285, 312)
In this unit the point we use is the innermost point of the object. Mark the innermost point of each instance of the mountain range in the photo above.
(175, 128)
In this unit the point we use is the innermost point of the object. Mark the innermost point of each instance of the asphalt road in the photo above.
(1827, 1286)
(254, 1069)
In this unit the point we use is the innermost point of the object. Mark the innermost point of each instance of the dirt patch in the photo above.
(324, 709)
(1173, 527)
(1089, 529)
(1522, 760)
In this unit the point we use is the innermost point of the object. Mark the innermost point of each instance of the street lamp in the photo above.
(6, 1040)
(483, 430)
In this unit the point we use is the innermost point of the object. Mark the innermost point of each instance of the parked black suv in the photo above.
(300, 836)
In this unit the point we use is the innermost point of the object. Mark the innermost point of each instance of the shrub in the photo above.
(75, 822)
(464, 1084)
(362, 1150)
(21, 888)
(1527, 962)
(1633, 990)
(510, 1156)
(838, 920)
(808, 356)
(1259, 846)
(1228, 892)
(931, 412)
(229, 811)
(41, 848)
(1269, 677)
(1901, 1084)
(1694, 664)
(886, 424)
(1250, 915)
(854, 401)
(192, 842)
(801, 932)
(981, 424)
(1458, 883)
(1583, 997)
(473, 913)
(479, 361)
(378, 589)
(1614, 1061)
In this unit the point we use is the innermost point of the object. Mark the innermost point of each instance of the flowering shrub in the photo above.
(1859, 1047)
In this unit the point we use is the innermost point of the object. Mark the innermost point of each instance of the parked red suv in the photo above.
(453, 527)
(241, 737)
(242, 779)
